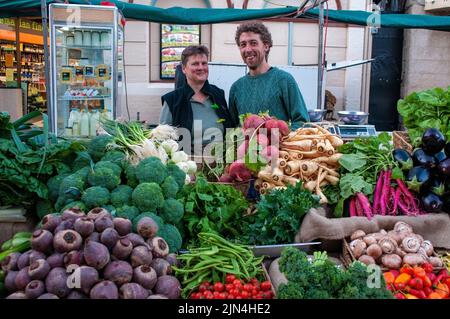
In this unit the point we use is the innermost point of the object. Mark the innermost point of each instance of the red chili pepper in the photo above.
(418, 293)
(427, 267)
(427, 291)
(416, 283)
(427, 281)
(407, 269)
(399, 295)
(419, 272)
(442, 276)
(432, 276)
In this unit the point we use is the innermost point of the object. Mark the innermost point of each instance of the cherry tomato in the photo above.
(218, 286)
(202, 288)
(230, 278)
(265, 285)
(206, 283)
(229, 287)
(230, 296)
(238, 286)
(216, 294)
(222, 295)
(238, 297)
(255, 292)
(248, 287)
(254, 281)
(267, 295)
(210, 296)
(245, 295)
(237, 281)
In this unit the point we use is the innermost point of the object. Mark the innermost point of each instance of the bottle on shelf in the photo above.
(74, 121)
(84, 123)
(95, 117)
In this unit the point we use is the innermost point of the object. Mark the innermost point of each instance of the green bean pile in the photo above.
(213, 260)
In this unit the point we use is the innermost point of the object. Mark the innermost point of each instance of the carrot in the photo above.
(292, 167)
(353, 212)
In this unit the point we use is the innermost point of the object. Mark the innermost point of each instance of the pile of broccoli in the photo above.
(321, 279)
(104, 178)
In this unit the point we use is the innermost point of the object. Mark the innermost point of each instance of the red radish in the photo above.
(270, 153)
(242, 149)
(252, 121)
(225, 178)
(376, 199)
(283, 127)
(271, 125)
(239, 172)
(365, 204)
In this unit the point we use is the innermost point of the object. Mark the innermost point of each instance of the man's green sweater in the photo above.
(275, 91)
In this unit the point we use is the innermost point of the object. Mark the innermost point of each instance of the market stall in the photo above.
(136, 218)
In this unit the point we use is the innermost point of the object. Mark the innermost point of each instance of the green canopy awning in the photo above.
(175, 15)
(402, 21)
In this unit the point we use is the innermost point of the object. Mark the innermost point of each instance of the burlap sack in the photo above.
(433, 227)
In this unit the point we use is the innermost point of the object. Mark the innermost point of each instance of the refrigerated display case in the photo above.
(86, 66)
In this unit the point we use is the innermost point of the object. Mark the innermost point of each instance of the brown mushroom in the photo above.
(436, 262)
(370, 239)
(413, 259)
(388, 245)
(391, 261)
(374, 251)
(395, 236)
(402, 227)
(366, 259)
(357, 234)
(411, 244)
(358, 247)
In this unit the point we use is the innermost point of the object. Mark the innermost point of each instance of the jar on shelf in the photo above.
(95, 39)
(87, 38)
(78, 37)
(105, 39)
(70, 40)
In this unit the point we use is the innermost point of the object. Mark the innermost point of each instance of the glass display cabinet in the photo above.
(86, 44)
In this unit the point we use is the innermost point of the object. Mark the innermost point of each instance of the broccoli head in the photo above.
(72, 186)
(53, 186)
(172, 211)
(43, 207)
(116, 157)
(130, 174)
(158, 220)
(84, 172)
(174, 171)
(114, 167)
(104, 177)
(151, 170)
(76, 204)
(97, 146)
(121, 195)
(128, 212)
(96, 196)
(148, 197)
(172, 236)
(290, 290)
(82, 160)
(170, 187)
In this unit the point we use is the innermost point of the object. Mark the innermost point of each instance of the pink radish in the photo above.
(252, 121)
(270, 153)
(225, 178)
(239, 172)
(283, 127)
(365, 204)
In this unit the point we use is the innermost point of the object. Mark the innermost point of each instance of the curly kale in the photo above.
(291, 290)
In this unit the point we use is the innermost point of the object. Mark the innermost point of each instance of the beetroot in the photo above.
(22, 279)
(109, 237)
(50, 222)
(17, 295)
(161, 266)
(136, 240)
(56, 260)
(93, 237)
(225, 178)
(145, 276)
(24, 260)
(96, 255)
(119, 272)
(48, 296)
(283, 127)
(84, 226)
(147, 227)
(77, 295)
(39, 269)
(252, 121)
(67, 240)
(157, 297)
(42, 240)
(168, 286)
(104, 290)
(122, 249)
(262, 138)
(10, 280)
(141, 255)
(239, 172)
(133, 291)
(34, 289)
(123, 226)
(35, 255)
(159, 246)
(103, 223)
(270, 153)
(75, 257)
(10, 262)
(72, 214)
(88, 277)
(97, 213)
(64, 225)
(56, 282)
(172, 260)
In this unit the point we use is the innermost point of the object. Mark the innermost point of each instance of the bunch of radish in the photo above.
(262, 136)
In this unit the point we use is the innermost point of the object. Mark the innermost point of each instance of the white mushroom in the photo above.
(388, 245)
(428, 247)
(411, 244)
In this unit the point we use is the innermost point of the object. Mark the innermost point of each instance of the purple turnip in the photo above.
(34, 289)
(109, 237)
(172, 259)
(87, 276)
(22, 279)
(17, 295)
(84, 226)
(145, 276)
(122, 249)
(122, 225)
(50, 222)
(133, 291)
(104, 290)
(96, 255)
(56, 282)
(93, 237)
(48, 296)
(119, 272)
(42, 240)
(24, 260)
(67, 240)
(72, 214)
(77, 295)
(39, 269)
(161, 266)
(103, 223)
(56, 260)
(64, 225)
(136, 240)
(10, 280)
(10, 262)
(141, 255)
(160, 249)
(147, 227)
(98, 212)
(168, 286)
(75, 257)
(157, 297)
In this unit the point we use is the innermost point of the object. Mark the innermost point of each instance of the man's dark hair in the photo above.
(255, 27)
(193, 50)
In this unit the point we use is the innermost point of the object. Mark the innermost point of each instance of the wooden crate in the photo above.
(401, 140)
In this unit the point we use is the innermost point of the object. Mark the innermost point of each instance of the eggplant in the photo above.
(440, 156)
(444, 167)
(447, 149)
(420, 158)
(403, 158)
(433, 141)
(417, 177)
(436, 185)
(432, 203)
